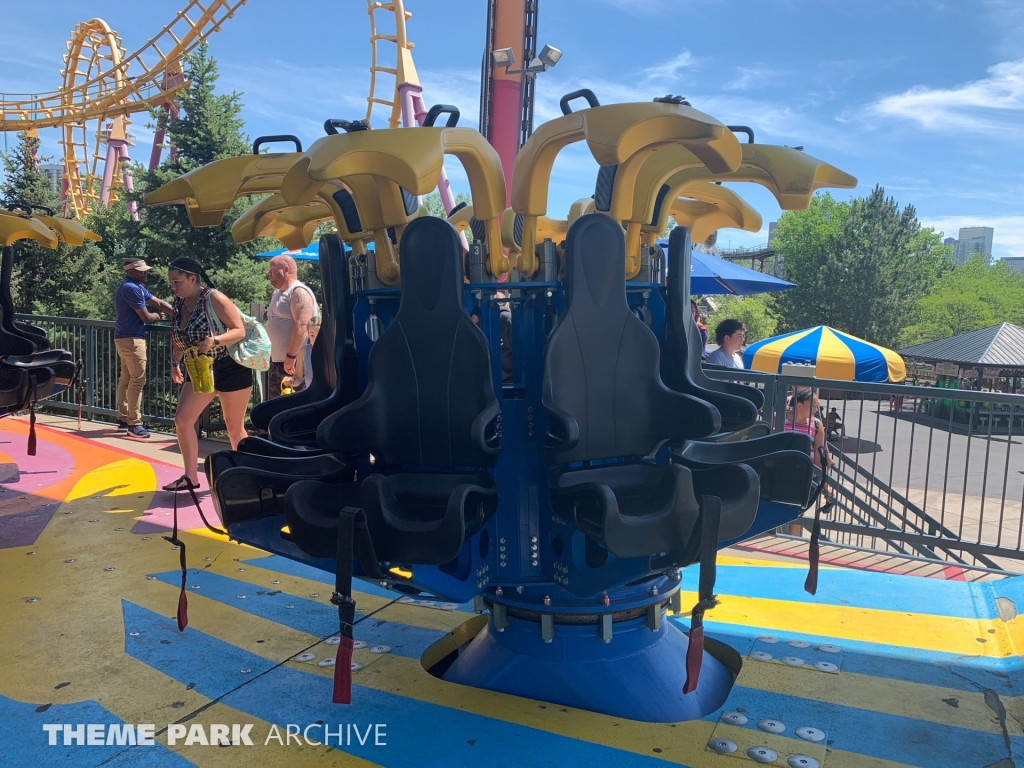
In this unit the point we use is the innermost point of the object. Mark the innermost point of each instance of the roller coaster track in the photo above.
(406, 97)
(102, 87)
(403, 72)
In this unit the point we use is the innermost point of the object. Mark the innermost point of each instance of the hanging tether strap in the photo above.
(710, 518)
(354, 542)
(173, 538)
(182, 598)
(814, 551)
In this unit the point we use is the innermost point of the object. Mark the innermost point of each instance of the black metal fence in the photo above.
(92, 342)
(917, 471)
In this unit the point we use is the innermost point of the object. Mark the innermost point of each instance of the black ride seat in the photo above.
(782, 461)
(605, 400)
(426, 416)
(682, 371)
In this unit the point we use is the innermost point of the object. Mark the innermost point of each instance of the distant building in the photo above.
(54, 172)
(972, 240)
(950, 241)
(1015, 263)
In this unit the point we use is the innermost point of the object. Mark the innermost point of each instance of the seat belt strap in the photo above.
(814, 550)
(710, 518)
(354, 542)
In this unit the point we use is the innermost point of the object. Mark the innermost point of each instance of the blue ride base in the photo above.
(639, 675)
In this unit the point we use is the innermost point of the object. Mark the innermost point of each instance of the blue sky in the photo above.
(923, 97)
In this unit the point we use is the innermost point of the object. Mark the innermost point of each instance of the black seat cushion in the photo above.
(429, 396)
(249, 486)
(602, 383)
(420, 518)
(265, 447)
(635, 510)
(782, 462)
(681, 364)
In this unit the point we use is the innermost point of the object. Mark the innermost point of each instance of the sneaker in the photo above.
(122, 426)
(138, 431)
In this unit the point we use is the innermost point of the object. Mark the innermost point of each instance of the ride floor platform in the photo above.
(896, 670)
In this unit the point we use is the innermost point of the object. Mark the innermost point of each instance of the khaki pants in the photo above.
(133, 378)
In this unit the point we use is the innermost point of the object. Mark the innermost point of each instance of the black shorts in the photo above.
(229, 376)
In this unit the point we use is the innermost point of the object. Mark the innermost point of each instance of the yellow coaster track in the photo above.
(102, 85)
(404, 71)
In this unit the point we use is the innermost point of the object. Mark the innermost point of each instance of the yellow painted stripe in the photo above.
(870, 625)
(835, 360)
(767, 357)
(875, 694)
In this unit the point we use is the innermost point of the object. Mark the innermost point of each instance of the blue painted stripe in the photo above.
(892, 662)
(874, 734)
(855, 589)
(310, 616)
(419, 734)
(26, 743)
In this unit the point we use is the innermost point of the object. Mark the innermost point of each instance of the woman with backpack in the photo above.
(205, 324)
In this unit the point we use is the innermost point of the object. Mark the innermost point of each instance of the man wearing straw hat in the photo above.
(130, 341)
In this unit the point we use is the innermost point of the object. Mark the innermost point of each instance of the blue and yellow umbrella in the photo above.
(835, 355)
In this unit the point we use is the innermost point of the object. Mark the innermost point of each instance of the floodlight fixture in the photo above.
(549, 55)
(504, 57)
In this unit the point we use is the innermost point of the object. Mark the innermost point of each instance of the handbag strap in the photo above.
(212, 320)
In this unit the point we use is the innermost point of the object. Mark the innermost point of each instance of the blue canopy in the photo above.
(310, 253)
(711, 275)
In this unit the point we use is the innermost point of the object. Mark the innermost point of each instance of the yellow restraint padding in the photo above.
(15, 226)
(790, 175)
(411, 158)
(294, 226)
(209, 192)
(614, 134)
(71, 232)
(708, 207)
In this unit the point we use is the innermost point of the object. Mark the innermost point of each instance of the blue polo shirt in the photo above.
(129, 297)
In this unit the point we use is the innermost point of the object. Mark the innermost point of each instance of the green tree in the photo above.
(976, 294)
(861, 266)
(207, 128)
(755, 312)
(45, 281)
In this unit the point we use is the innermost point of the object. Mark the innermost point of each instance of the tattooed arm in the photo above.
(301, 305)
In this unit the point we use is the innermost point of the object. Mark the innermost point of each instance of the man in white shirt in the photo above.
(730, 335)
(292, 309)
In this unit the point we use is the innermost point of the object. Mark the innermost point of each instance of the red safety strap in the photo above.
(710, 523)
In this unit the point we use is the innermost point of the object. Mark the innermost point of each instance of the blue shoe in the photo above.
(138, 431)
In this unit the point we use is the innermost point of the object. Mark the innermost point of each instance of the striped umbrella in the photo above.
(835, 355)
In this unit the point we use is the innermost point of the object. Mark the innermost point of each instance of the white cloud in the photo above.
(980, 106)
(1008, 239)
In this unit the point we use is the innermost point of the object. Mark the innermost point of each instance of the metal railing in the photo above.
(92, 343)
(917, 471)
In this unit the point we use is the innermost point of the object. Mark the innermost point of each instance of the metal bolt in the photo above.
(547, 600)
(497, 591)
(654, 589)
(519, 590)
(70, 561)
(146, 538)
(501, 540)
(30, 553)
(533, 539)
(110, 568)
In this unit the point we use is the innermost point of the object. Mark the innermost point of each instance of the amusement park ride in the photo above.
(558, 467)
(567, 492)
